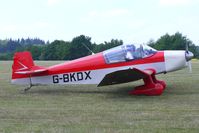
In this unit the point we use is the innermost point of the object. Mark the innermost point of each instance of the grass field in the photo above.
(88, 109)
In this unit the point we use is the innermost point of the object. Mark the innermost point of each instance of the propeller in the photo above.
(188, 55)
(190, 66)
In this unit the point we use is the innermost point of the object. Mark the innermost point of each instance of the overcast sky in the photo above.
(133, 21)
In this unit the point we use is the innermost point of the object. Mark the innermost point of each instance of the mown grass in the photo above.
(87, 109)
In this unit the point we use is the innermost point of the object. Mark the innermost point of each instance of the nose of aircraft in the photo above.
(188, 55)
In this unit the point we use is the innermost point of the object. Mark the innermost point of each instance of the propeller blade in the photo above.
(190, 66)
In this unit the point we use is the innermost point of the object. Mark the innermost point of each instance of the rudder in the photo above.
(22, 61)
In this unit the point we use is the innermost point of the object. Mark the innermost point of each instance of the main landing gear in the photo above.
(151, 87)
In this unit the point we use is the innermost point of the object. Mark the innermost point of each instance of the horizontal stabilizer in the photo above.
(33, 70)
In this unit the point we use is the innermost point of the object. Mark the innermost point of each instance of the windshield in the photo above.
(127, 52)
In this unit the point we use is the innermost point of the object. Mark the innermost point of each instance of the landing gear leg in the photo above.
(30, 86)
(151, 87)
(158, 81)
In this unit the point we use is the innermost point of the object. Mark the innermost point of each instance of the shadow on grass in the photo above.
(116, 91)
(179, 90)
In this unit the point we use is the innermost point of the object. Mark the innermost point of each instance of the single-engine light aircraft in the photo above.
(121, 64)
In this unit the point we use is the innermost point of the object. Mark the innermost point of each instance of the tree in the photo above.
(57, 50)
(164, 43)
(174, 42)
(78, 46)
(107, 45)
(35, 50)
(12, 46)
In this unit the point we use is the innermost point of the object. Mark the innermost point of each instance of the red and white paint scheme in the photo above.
(121, 64)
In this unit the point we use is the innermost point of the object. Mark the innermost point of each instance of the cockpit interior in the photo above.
(128, 52)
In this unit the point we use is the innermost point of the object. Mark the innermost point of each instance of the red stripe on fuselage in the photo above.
(94, 62)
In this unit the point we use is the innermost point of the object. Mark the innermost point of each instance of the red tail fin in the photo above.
(22, 61)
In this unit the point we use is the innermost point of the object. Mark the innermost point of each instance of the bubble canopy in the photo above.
(128, 52)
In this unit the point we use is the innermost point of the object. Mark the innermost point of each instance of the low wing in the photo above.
(124, 76)
(33, 70)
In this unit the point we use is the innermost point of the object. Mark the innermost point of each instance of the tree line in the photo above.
(56, 50)
(174, 42)
(10, 45)
(80, 46)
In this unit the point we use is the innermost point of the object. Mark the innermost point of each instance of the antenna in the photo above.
(88, 49)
